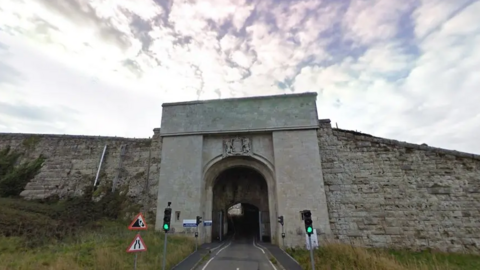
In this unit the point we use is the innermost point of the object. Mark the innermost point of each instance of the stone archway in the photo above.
(241, 186)
(225, 175)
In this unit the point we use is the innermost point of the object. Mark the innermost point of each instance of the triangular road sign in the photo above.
(137, 245)
(138, 223)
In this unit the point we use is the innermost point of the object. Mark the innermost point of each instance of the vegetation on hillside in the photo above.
(346, 257)
(102, 248)
(13, 176)
(86, 232)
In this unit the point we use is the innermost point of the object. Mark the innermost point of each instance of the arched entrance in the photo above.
(240, 205)
(247, 182)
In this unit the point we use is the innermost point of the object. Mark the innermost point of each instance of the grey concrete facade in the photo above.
(274, 135)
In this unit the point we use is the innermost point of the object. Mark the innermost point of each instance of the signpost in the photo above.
(207, 223)
(189, 223)
(137, 245)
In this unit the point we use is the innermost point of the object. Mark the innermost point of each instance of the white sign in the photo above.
(137, 245)
(314, 238)
(189, 223)
(207, 223)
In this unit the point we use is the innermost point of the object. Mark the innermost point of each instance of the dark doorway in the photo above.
(245, 225)
(245, 187)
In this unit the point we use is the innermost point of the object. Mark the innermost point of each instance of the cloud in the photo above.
(399, 69)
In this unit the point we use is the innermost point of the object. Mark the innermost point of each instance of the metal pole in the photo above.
(100, 165)
(196, 240)
(311, 252)
(164, 251)
(135, 262)
(283, 238)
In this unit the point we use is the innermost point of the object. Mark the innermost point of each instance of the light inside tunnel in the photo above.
(240, 197)
(244, 223)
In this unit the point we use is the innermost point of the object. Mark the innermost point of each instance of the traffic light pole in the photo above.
(311, 251)
(196, 240)
(165, 251)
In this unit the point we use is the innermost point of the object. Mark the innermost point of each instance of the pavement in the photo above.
(195, 258)
(283, 259)
(238, 254)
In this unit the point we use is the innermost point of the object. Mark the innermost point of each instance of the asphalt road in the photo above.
(241, 254)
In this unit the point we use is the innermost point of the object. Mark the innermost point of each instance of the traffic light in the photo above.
(280, 220)
(166, 219)
(199, 220)
(307, 218)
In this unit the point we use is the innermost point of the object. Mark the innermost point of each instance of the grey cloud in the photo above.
(133, 67)
(167, 7)
(86, 15)
(42, 26)
(36, 113)
(9, 74)
(141, 29)
(3, 47)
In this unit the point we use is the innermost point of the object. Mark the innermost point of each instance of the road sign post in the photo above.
(137, 245)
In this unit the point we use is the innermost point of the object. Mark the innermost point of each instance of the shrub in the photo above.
(14, 178)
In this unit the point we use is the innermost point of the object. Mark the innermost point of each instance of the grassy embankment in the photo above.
(346, 257)
(77, 233)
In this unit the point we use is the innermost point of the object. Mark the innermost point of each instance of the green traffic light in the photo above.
(165, 226)
(309, 230)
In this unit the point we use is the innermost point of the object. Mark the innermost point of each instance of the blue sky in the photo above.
(406, 70)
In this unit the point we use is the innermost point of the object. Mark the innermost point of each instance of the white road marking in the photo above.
(259, 247)
(219, 246)
(205, 267)
(208, 262)
(223, 248)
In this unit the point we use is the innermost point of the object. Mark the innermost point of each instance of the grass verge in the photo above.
(346, 257)
(100, 249)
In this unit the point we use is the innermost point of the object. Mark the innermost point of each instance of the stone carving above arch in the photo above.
(237, 146)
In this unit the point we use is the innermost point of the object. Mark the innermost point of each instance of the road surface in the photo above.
(242, 254)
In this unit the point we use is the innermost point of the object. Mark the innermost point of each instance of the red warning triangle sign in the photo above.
(138, 223)
(137, 245)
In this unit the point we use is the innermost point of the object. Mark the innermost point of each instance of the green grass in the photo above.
(346, 257)
(104, 248)
(79, 234)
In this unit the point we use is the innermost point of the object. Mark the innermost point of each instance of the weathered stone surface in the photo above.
(72, 163)
(260, 114)
(400, 194)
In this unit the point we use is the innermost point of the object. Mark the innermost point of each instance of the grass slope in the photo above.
(78, 234)
(346, 257)
(101, 249)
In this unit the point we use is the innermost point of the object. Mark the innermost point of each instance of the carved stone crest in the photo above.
(238, 146)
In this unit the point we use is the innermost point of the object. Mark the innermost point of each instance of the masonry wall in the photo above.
(386, 193)
(72, 163)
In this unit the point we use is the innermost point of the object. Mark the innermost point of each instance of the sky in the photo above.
(399, 69)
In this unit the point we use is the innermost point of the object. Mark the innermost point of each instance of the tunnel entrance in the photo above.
(243, 221)
(240, 205)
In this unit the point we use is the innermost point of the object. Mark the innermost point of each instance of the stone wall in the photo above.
(72, 163)
(387, 193)
(379, 192)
